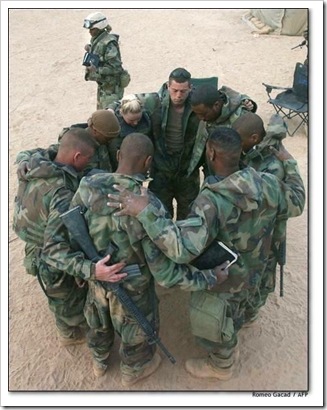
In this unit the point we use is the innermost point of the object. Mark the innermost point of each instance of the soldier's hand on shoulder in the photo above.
(248, 104)
(22, 170)
(128, 202)
(282, 154)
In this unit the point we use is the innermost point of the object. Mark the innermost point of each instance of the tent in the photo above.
(288, 22)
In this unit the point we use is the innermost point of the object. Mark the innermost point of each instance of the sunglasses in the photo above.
(180, 73)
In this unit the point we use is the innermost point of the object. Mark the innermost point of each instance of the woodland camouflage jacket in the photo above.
(240, 210)
(128, 235)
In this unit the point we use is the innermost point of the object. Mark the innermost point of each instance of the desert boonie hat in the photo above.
(105, 122)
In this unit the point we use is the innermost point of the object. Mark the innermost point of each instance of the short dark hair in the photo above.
(79, 139)
(249, 123)
(180, 75)
(207, 95)
(227, 139)
(137, 144)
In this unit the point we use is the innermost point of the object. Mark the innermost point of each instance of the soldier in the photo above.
(42, 196)
(215, 108)
(238, 207)
(108, 73)
(102, 126)
(132, 117)
(103, 309)
(258, 147)
(174, 137)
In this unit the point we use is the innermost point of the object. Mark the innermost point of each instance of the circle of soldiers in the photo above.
(117, 204)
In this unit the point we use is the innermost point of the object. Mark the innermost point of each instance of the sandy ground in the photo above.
(47, 91)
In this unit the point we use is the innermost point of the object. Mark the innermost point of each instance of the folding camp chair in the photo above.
(293, 101)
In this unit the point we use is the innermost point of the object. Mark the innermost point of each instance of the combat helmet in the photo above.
(96, 20)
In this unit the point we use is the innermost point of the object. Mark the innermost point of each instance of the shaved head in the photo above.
(135, 154)
(248, 124)
(77, 139)
(136, 146)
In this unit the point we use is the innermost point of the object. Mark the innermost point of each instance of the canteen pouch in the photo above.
(208, 317)
(125, 79)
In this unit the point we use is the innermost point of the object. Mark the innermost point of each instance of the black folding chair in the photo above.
(293, 101)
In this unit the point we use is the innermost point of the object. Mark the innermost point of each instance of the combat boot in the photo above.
(128, 380)
(99, 369)
(253, 322)
(77, 339)
(202, 368)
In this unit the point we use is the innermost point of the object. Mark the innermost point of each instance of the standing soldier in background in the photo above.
(103, 61)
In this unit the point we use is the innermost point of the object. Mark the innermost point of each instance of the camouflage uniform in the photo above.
(108, 75)
(100, 159)
(143, 127)
(42, 197)
(262, 159)
(232, 109)
(240, 210)
(103, 310)
(169, 170)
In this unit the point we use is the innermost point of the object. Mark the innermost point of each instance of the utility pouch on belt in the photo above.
(125, 79)
(208, 317)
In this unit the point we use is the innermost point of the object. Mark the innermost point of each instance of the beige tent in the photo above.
(289, 22)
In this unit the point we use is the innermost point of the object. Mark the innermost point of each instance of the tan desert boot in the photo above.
(202, 368)
(128, 379)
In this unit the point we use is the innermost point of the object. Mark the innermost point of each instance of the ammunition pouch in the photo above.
(125, 79)
(208, 315)
(30, 265)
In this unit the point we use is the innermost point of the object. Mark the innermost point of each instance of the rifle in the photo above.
(281, 263)
(300, 45)
(76, 225)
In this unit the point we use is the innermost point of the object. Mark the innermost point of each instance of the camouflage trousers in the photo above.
(67, 306)
(106, 315)
(215, 321)
(107, 94)
(173, 186)
(267, 286)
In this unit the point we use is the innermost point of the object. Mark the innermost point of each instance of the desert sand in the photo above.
(47, 91)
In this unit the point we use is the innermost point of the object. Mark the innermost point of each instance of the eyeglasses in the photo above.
(180, 73)
(91, 23)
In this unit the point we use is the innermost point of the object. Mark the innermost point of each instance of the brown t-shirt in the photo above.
(174, 131)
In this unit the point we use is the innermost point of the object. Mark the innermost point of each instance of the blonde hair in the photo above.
(130, 104)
